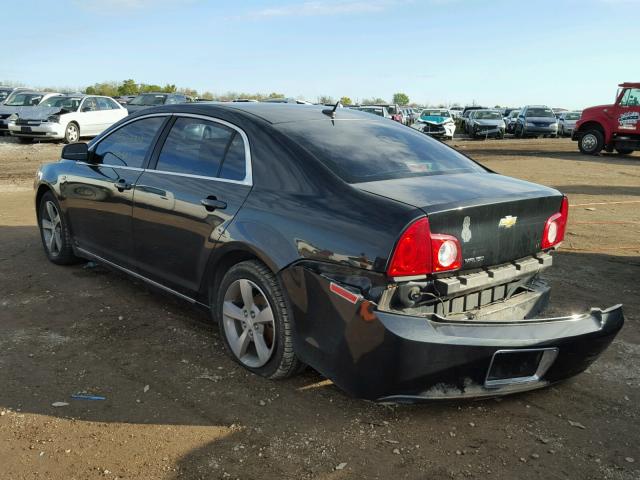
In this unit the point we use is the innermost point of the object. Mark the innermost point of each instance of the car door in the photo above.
(98, 196)
(89, 117)
(202, 176)
(628, 112)
(108, 113)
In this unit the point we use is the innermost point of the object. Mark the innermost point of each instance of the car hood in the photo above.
(41, 113)
(490, 122)
(434, 119)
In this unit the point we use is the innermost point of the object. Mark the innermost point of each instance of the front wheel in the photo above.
(624, 151)
(591, 143)
(72, 133)
(54, 231)
(256, 321)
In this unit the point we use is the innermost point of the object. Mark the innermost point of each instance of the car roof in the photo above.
(269, 112)
(630, 85)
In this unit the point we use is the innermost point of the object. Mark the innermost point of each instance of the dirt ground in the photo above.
(177, 407)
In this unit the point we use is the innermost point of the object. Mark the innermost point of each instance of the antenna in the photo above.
(331, 111)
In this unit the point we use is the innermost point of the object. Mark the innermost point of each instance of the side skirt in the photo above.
(86, 254)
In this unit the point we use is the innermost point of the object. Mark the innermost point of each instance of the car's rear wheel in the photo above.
(624, 151)
(591, 143)
(25, 139)
(72, 133)
(54, 231)
(255, 320)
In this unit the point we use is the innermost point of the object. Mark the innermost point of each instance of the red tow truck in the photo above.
(611, 127)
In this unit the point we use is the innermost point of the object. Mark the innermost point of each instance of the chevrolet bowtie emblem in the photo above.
(507, 222)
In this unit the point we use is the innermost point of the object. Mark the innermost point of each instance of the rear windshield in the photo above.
(365, 151)
(540, 112)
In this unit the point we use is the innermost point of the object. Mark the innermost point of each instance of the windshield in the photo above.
(365, 151)
(572, 116)
(540, 112)
(68, 103)
(435, 113)
(148, 99)
(514, 113)
(4, 93)
(24, 99)
(480, 115)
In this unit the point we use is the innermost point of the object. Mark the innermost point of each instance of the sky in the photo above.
(562, 53)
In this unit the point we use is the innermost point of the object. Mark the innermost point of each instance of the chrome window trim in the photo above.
(135, 169)
(248, 177)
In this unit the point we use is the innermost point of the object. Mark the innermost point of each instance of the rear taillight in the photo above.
(553, 233)
(419, 252)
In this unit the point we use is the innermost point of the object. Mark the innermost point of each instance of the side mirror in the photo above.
(78, 152)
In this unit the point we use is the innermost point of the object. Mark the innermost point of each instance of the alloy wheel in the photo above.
(51, 228)
(248, 323)
(72, 133)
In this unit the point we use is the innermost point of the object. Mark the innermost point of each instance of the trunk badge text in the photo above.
(507, 222)
(466, 230)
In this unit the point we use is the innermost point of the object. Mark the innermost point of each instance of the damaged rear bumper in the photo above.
(390, 356)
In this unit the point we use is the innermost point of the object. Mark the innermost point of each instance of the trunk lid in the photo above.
(496, 219)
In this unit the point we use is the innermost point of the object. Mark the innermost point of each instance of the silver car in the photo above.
(567, 122)
(536, 120)
(486, 123)
(18, 103)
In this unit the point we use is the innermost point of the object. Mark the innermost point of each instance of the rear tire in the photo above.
(54, 231)
(624, 151)
(591, 143)
(254, 316)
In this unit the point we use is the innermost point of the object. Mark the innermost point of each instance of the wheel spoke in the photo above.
(241, 343)
(246, 290)
(265, 316)
(58, 240)
(46, 224)
(231, 311)
(51, 211)
(51, 241)
(261, 347)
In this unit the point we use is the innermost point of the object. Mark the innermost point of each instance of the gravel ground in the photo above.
(177, 407)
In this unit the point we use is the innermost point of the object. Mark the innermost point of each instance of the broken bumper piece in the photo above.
(391, 356)
(440, 359)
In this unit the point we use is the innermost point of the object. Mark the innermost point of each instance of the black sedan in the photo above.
(389, 262)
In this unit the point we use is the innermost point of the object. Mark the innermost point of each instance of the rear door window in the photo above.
(195, 147)
(129, 145)
(234, 165)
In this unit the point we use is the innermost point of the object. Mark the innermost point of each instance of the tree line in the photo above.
(131, 87)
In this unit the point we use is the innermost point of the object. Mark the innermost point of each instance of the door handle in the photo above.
(122, 185)
(211, 203)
